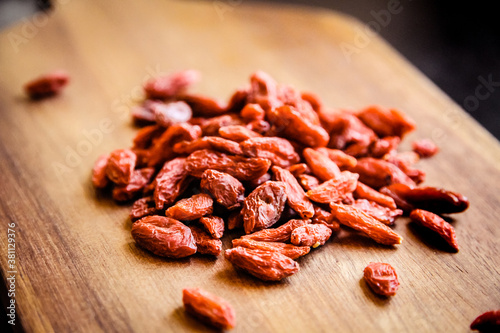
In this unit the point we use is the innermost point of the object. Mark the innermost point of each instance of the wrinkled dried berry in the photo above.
(279, 151)
(171, 181)
(191, 208)
(334, 190)
(386, 122)
(265, 265)
(311, 235)
(208, 308)
(164, 236)
(239, 167)
(357, 219)
(226, 190)
(291, 251)
(295, 195)
(121, 164)
(381, 278)
(383, 214)
(208, 142)
(279, 234)
(263, 207)
(321, 165)
(437, 224)
(214, 225)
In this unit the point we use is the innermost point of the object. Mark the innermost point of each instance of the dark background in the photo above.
(454, 43)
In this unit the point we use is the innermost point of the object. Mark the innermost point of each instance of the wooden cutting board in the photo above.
(77, 267)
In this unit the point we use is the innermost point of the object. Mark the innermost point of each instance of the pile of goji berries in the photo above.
(277, 165)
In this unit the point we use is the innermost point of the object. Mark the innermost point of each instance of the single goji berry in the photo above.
(321, 165)
(437, 224)
(265, 265)
(208, 308)
(279, 151)
(263, 207)
(224, 188)
(252, 112)
(164, 236)
(386, 122)
(121, 164)
(378, 173)
(263, 91)
(311, 235)
(363, 191)
(289, 123)
(171, 181)
(487, 322)
(382, 278)
(214, 225)
(191, 208)
(239, 167)
(208, 142)
(335, 189)
(436, 200)
(279, 234)
(357, 219)
(291, 251)
(47, 85)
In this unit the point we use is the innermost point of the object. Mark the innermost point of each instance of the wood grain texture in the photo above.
(78, 267)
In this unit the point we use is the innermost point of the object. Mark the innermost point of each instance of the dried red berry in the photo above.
(191, 208)
(164, 236)
(208, 308)
(381, 278)
(121, 164)
(265, 265)
(311, 235)
(47, 85)
(437, 224)
(263, 207)
(487, 322)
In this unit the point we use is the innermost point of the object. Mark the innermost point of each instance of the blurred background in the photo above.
(454, 43)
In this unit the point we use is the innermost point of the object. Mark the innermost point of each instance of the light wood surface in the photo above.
(78, 269)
